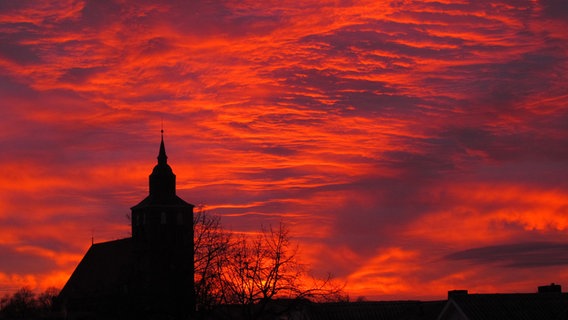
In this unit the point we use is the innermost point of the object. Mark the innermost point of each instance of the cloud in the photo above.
(517, 255)
(18, 53)
(556, 9)
(23, 262)
(80, 75)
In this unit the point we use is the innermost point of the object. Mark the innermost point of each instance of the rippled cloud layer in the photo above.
(408, 144)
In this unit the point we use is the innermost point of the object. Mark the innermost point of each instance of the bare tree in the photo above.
(266, 268)
(252, 272)
(211, 245)
(21, 305)
(260, 268)
(46, 300)
(26, 304)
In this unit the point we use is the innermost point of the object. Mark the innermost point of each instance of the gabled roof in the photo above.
(150, 200)
(519, 306)
(381, 310)
(104, 269)
(301, 309)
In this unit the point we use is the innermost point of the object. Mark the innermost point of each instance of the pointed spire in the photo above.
(162, 179)
(162, 157)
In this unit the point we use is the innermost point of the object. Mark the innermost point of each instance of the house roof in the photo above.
(521, 306)
(103, 269)
(382, 310)
(301, 309)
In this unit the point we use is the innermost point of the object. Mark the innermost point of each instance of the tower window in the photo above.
(163, 218)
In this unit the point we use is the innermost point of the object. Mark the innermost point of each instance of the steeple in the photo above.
(162, 179)
(162, 157)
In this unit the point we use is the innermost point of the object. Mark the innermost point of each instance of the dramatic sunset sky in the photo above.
(413, 147)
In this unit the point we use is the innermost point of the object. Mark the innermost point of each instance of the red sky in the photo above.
(413, 147)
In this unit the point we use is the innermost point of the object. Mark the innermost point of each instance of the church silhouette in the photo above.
(149, 275)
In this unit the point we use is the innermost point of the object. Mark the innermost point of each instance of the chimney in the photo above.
(550, 288)
(453, 293)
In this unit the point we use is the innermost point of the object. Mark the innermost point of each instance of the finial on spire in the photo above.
(162, 158)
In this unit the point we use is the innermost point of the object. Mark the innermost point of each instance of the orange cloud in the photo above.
(489, 213)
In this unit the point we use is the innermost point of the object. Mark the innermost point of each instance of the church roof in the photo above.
(152, 201)
(104, 269)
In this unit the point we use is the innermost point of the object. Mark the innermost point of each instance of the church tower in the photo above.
(162, 236)
(146, 276)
